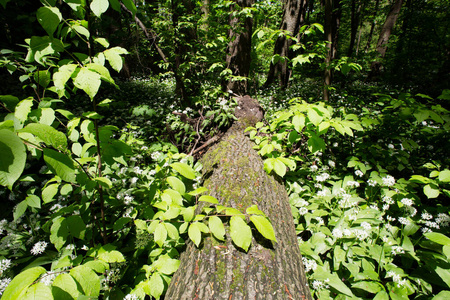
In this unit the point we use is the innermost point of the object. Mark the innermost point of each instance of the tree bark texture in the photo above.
(294, 12)
(385, 34)
(239, 49)
(332, 22)
(233, 172)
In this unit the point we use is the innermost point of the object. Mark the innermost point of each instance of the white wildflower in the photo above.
(38, 248)
(331, 163)
(361, 234)
(319, 285)
(131, 297)
(371, 182)
(314, 168)
(70, 247)
(426, 216)
(303, 211)
(5, 264)
(397, 250)
(387, 200)
(4, 282)
(127, 199)
(48, 278)
(322, 193)
(404, 221)
(388, 180)
(407, 202)
(322, 177)
(352, 183)
(366, 226)
(309, 264)
(359, 173)
(337, 233)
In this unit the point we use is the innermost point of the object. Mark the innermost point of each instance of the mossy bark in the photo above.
(234, 174)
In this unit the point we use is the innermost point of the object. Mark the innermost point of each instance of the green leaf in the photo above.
(176, 184)
(60, 164)
(43, 78)
(160, 234)
(443, 295)
(62, 76)
(20, 209)
(369, 286)
(102, 71)
(20, 283)
(382, 295)
(299, 122)
(279, 168)
(49, 18)
(102, 41)
(314, 116)
(65, 287)
(33, 201)
(240, 232)
(76, 226)
(430, 191)
(59, 233)
(130, 5)
(315, 143)
(104, 182)
(210, 199)
(437, 237)
(98, 7)
(194, 233)
(38, 291)
(184, 169)
(156, 285)
(13, 157)
(167, 265)
(172, 231)
(109, 255)
(114, 58)
(49, 135)
(89, 81)
(444, 176)
(216, 226)
(49, 192)
(87, 279)
(23, 109)
(264, 227)
(254, 210)
(82, 30)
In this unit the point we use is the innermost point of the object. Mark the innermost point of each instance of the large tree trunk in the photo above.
(385, 34)
(239, 50)
(234, 174)
(294, 12)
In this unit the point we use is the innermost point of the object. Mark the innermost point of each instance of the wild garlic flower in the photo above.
(388, 180)
(371, 182)
(131, 297)
(38, 248)
(407, 202)
(319, 285)
(5, 264)
(426, 216)
(303, 211)
(309, 264)
(359, 173)
(404, 221)
(397, 250)
(4, 282)
(322, 177)
(352, 183)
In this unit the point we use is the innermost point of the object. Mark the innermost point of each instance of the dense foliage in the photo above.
(99, 175)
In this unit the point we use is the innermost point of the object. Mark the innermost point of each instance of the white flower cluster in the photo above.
(309, 264)
(5, 264)
(352, 183)
(319, 285)
(388, 180)
(131, 297)
(396, 278)
(322, 177)
(359, 173)
(48, 278)
(4, 282)
(397, 250)
(38, 248)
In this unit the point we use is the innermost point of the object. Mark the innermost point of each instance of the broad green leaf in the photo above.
(240, 232)
(20, 210)
(114, 58)
(60, 164)
(38, 291)
(334, 281)
(430, 191)
(160, 234)
(65, 287)
(437, 237)
(188, 213)
(279, 168)
(23, 109)
(176, 184)
(59, 233)
(315, 143)
(194, 233)
(420, 179)
(210, 199)
(156, 285)
(171, 213)
(49, 18)
(381, 295)
(20, 283)
(102, 41)
(444, 274)
(130, 5)
(13, 157)
(444, 176)
(9, 101)
(108, 254)
(39, 48)
(47, 115)
(104, 182)
(172, 231)
(254, 210)
(102, 70)
(299, 122)
(33, 201)
(82, 30)
(76, 226)
(89, 81)
(264, 227)
(43, 78)
(49, 192)
(217, 228)
(87, 279)
(49, 135)
(184, 169)
(98, 266)
(167, 265)
(98, 7)
(62, 76)
(369, 286)
(443, 295)
(314, 116)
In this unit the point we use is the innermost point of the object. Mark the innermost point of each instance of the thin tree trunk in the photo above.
(234, 174)
(239, 49)
(329, 40)
(385, 34)
(372, 27)
(355, 12)
(294, 12)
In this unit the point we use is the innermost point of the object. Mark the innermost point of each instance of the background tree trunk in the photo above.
(385, 33)
(239, 50)
(234, 174)
(372, 26)
(294, 12)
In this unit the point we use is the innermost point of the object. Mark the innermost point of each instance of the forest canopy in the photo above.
(106, 107)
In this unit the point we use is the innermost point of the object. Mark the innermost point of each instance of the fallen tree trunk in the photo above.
(233, 172)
